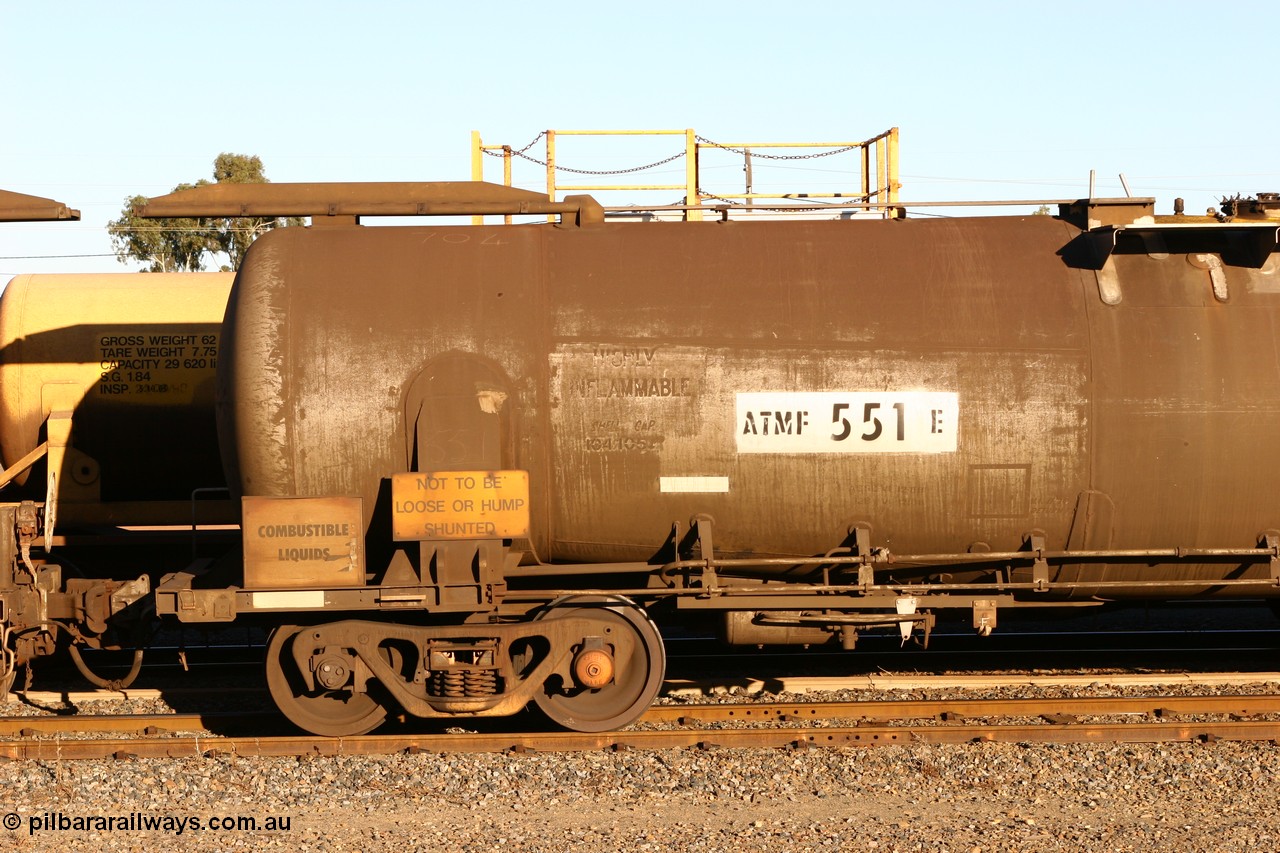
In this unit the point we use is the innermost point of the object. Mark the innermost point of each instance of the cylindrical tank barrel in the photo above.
(133, 357)
(953, 383)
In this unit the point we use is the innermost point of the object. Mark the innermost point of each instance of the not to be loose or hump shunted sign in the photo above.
(445, 505)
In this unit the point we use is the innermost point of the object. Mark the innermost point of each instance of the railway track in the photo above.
(758, 725)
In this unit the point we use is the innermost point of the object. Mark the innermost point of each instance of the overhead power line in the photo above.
(51, 257)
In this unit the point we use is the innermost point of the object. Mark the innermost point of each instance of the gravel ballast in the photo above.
(981, 797)
(975, 798)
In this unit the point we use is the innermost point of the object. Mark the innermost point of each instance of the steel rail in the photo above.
(700, 713)
(909, 709)
(755, 738)
(878, 681)
(147, 724)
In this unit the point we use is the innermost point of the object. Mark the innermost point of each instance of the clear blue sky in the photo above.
(995, 100)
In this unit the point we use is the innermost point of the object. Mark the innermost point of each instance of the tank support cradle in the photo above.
(856, 568)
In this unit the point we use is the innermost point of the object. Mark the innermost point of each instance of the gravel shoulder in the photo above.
(981, 797)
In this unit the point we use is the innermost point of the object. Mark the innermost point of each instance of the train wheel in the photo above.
(606, 694)
(321, 712)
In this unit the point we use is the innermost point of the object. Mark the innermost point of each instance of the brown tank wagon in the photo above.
(812, 428)
(952, 384)
(478, 463)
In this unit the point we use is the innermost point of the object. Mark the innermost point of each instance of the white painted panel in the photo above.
(847, 422)
(694, 484)
(298, 600)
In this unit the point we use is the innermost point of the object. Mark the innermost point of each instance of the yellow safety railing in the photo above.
(877, 161)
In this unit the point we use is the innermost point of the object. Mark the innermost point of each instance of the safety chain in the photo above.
(704, 194)
(812, 203)
(759, 207)
(521, 153)
(560, 168)
(653, 165)
(744, 152)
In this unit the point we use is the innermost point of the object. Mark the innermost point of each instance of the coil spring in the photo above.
(448, 683)
(482, 682)
(463, 684)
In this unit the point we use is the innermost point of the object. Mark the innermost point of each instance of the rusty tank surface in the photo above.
(951, 384)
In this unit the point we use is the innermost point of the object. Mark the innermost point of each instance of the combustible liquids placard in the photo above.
(848, 422)
(460, 505)
(293, 543)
